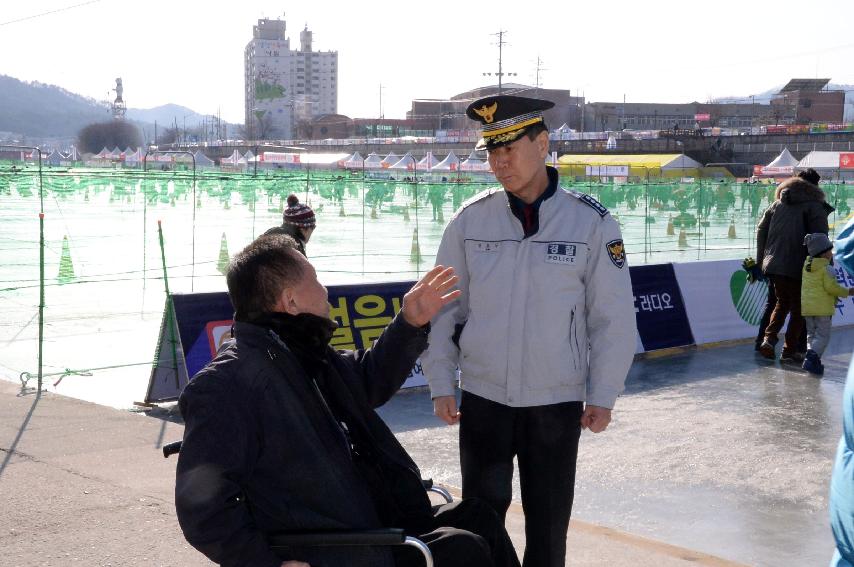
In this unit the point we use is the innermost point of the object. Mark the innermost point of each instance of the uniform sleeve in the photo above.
(440, 360)
(215, 459)
(831, 285)
(611, 325)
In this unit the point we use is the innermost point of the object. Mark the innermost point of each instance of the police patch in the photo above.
(593, 203)
(616, 252)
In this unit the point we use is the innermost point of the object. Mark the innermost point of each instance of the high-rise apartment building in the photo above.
(285, 87)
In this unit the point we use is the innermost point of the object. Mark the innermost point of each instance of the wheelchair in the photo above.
(354, 538)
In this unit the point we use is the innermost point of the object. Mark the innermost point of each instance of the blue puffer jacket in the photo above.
(842, 483)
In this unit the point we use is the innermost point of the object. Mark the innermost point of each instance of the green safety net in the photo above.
(102, 258)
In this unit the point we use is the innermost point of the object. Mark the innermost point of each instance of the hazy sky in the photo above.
(190, 52)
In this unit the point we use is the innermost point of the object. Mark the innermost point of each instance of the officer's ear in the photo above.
(542, 142)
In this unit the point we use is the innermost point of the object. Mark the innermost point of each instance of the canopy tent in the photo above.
(389, 160)
(450, 163)
(103, 154)
(373, 161)
(785, 159)
(134, 157)
(54, 158)
(406, 162)
(233, 160)
(116, 153)
(782, 165)
(472, 163)
(202, 160)
(73, 155)
(248, 155)
(641, 165)
(128, 150)
(827, 164)
(427, 162)
(355, 161)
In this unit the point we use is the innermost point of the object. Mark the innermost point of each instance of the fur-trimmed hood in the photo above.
(796, 190)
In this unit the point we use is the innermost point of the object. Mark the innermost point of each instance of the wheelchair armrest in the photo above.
(171, 448)
(428, 485)
(385, 536)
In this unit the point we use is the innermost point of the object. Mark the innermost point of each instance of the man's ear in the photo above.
(286, 303)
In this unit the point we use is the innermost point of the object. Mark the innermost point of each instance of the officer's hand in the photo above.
(427, 296)
(595, 418)
(445, 408)
(294, 564)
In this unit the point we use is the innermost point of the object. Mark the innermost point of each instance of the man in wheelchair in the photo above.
(281, 433)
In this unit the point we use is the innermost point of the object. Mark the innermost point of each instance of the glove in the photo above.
(754, 272)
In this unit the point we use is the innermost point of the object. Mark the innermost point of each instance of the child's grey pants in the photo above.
(818, 333)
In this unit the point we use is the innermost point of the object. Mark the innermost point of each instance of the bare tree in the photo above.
(116, 133)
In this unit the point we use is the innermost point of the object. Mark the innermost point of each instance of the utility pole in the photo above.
(381, 101)
(539, 68)
(500, 72)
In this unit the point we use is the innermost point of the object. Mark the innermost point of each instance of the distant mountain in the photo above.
(167, 115)
(37, 110)
(40, 110)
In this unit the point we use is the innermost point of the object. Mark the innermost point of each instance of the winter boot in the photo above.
(812, 363)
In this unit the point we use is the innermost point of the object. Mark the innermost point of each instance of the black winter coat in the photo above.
(262, 454)
(800, 210)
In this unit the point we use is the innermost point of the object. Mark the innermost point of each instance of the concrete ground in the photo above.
(715, 457)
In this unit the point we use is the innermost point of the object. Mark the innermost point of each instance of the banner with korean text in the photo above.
(202, 323)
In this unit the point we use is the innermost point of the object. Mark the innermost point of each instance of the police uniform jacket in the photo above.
(545, 319)
(262, 452)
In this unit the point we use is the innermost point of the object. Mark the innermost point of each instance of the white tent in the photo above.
(248, 155)
(355, 161)
(785, 159)
(54, 158)
(450, 163)
(202, 160)
(233, 159)
(406, 162)
(116, 153)
(472, 163)
(133, 157)
(390, 159)
(820, 160)
(827, 164)
(427, 162)
(373, 161)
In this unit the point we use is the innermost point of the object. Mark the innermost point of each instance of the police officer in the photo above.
(543, 333)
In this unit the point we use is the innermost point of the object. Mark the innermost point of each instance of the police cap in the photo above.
(504, 118)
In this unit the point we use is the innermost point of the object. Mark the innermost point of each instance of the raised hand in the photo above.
(427, 296)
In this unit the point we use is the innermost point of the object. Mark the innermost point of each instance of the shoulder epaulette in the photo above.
(479, 197)
(590, 202)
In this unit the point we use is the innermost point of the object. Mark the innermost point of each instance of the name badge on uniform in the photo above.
(487, 246)
(560, 253)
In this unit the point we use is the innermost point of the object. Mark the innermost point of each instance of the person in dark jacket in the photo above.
(799, 209)
(281, 432)
(298, 222)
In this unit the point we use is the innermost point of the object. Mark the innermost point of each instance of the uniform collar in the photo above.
(518, 207)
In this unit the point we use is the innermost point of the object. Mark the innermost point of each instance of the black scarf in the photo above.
(306, 335)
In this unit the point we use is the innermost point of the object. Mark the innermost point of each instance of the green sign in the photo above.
(748, 298)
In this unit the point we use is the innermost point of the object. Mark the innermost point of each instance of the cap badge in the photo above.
(486, 112)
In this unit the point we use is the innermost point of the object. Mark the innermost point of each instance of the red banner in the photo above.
(846, 160)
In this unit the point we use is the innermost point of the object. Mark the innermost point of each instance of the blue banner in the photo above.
(659, 309)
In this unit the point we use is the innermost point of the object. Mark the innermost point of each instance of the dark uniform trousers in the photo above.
(544, 439)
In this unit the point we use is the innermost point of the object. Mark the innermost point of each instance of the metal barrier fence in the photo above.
(103, 273)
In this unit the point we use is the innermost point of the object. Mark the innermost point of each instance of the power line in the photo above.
(48, 13)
